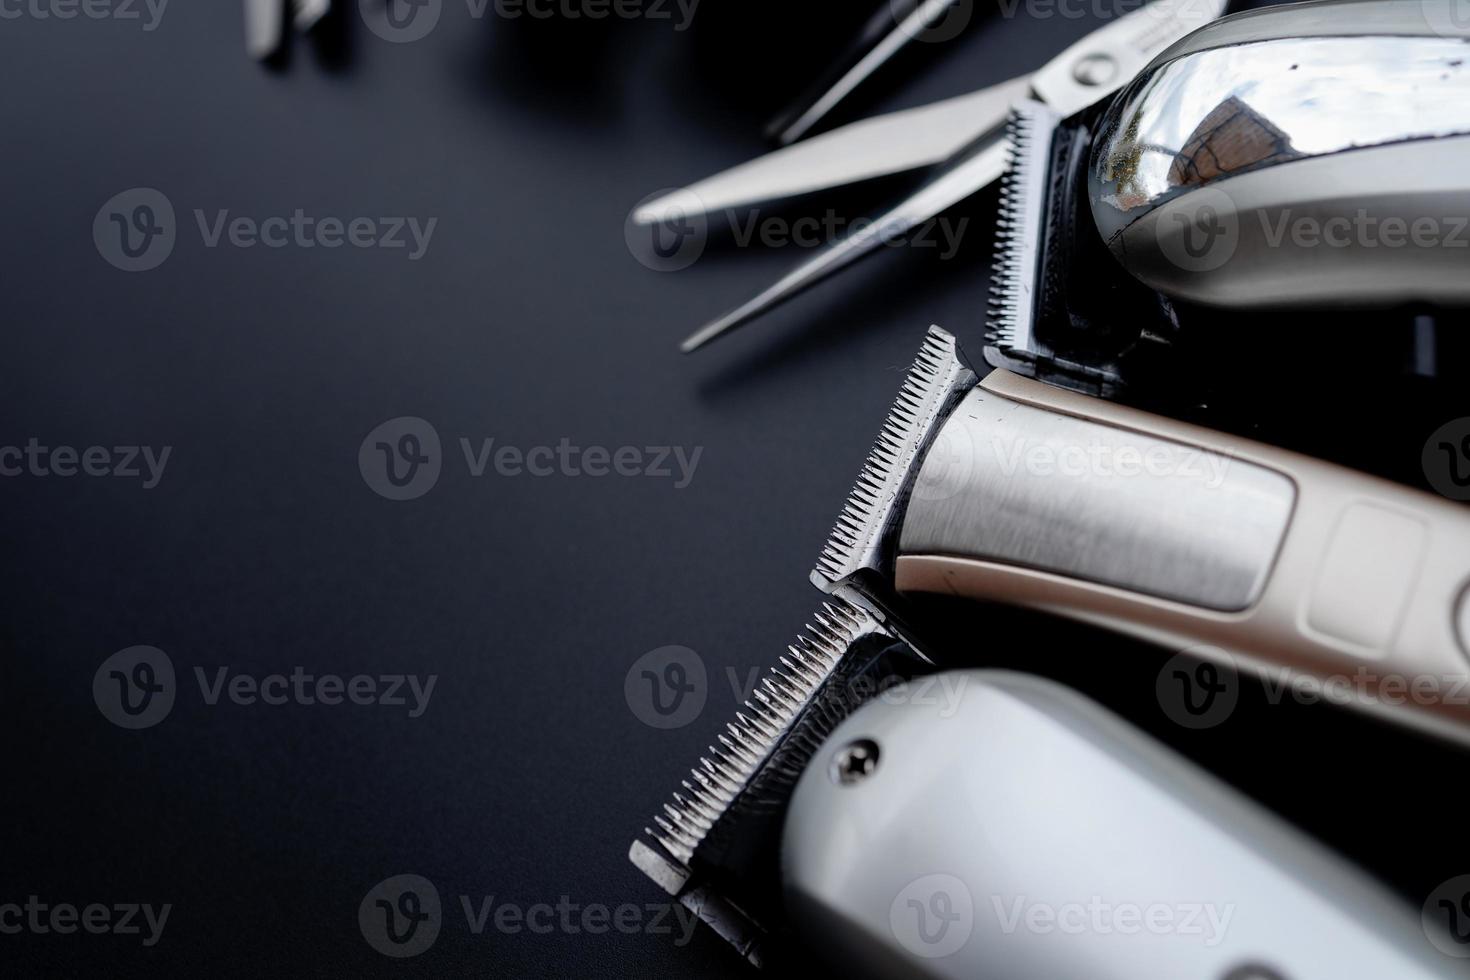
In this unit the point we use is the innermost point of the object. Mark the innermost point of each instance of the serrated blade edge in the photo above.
(855, 543)
(1010, 312)
(748, 741)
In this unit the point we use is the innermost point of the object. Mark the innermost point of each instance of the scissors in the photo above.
(265, 23)
(886, 33)
(961, 138)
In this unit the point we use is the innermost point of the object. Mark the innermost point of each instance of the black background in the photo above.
(528, 321)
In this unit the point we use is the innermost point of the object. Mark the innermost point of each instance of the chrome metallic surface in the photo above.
(1463, 620)
(949, 188)
(1073, 80)
(265, 27)
(306, 13)
(876, 147)
(906, 29)
(1002, 794)
(1067, 83)
(1221, 112)
(1379, 227)
(1011, 483)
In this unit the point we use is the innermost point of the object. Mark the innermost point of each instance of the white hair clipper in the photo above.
(991, 824)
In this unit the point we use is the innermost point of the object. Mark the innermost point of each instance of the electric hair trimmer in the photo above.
(1008, 490)
(990, 824)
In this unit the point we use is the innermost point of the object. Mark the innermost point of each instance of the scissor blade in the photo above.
(1109, 58)
(899, 22)
(265, 27)
(971, 172)
(877, 147)
(1075, 79)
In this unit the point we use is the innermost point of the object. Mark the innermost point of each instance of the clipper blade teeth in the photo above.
(750, 739)
(857, 536)
(1018, 227)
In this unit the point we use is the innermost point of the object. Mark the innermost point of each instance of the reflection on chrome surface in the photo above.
(1217, 113)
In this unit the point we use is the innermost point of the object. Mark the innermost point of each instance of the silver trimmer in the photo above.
(1009, 490)
(990, 824)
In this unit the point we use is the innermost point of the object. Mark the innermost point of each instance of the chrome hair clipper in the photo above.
(1009, 490)
(986, 823)
(992, 824)
(1305, 156)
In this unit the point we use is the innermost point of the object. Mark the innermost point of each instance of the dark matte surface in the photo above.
(528, 321)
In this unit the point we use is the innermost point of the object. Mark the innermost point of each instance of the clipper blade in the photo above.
(1011, 313)
(936, 379)
(751, 738)
(716, 845)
